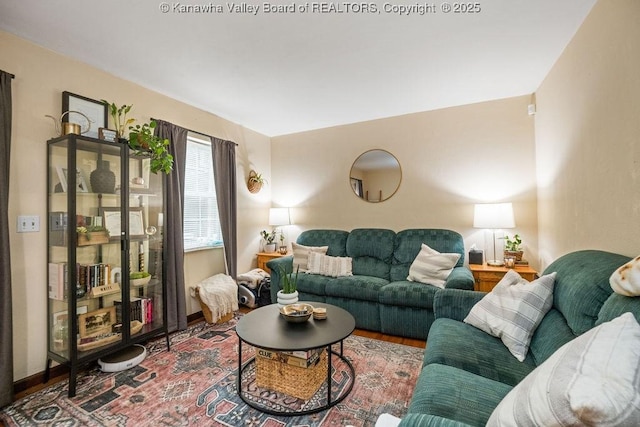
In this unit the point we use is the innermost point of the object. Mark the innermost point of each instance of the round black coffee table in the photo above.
(265, 328)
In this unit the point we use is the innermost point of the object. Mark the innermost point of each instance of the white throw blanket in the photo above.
(220, 294)
(252, 279)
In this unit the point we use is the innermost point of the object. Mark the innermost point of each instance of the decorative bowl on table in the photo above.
(296, 313)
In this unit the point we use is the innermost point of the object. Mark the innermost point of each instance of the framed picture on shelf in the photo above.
(113, 222)
(96, 322)
(63, 177)
(96, 111)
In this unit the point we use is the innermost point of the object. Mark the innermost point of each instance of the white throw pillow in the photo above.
(301, 255)
(513, 310)
(333, 266)
(592, 380)
(626, 279)
(432, 267)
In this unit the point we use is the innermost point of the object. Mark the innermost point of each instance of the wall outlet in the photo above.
(28, 223)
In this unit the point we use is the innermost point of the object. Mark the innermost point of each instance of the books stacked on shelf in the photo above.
(141, 309)
(301, 359)
(58, 278)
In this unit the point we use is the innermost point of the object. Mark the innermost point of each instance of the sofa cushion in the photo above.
(301, 255)
(365, 288)
(454, 394)
(408, 243)
(513, 310)
(371, 250)
(552, 333)
(333, 266)
(462, 346)
(592, 380)
(431, 267)
(408, 294)
(313, 284)
(582, 285)
(335, 239)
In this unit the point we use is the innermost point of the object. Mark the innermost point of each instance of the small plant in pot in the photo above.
(512, 248)
(269, 240)
(289, 284)
(255, 182)
(144, 143)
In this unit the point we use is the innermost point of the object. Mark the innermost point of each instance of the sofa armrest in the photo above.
(455, 303)
(275, 265)
(426, 420)
(460, 278)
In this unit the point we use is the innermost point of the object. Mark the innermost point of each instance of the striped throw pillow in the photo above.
(513, 310)
(333, 266)
(301, 255)
(592, 380)
(432, 267)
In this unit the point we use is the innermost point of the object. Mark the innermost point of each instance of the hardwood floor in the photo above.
(34, 383)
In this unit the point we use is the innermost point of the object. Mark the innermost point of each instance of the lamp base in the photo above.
(495, 263)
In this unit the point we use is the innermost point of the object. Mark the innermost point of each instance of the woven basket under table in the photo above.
(295, 381)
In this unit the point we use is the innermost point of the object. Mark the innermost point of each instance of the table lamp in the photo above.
(494, 216)
(280, 217)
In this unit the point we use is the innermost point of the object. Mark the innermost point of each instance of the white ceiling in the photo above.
(280, 73)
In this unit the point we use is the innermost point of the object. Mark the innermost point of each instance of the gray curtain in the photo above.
(224, 170)
(6, 324)
(174, 209)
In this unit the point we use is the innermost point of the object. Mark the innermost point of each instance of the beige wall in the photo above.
(588, 138)
(450, 159)
(41, 77)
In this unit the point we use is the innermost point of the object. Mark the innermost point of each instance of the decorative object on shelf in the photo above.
(269, 244)
(119, 117)
(60, 333)
(94, 111)
(109, 135)
(65, 128)
(512, 248)
(493, 216)
(140, 278)
(283, 250)
(92, 235)
(145, 143)
(296, 313)
(255, 181)
(103, 180)
(289, 292)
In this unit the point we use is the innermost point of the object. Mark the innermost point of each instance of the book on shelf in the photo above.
(58, 278)
(313, 357)
(141, 309)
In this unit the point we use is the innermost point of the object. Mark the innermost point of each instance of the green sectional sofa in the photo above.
(378, 295)
(467, 372)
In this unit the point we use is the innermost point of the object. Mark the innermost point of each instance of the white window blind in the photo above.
(201, 219)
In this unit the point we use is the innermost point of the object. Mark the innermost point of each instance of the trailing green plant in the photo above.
(119, 116)
(144, 143)
(512, 244)
(289, 281)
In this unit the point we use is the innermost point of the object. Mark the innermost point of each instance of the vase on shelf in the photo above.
(270, 248)
(286, 299)
(103, 180)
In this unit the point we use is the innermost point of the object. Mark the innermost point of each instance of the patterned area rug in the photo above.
(195, 384)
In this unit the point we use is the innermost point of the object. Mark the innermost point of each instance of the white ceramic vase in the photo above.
(270, 248)
(285, 299)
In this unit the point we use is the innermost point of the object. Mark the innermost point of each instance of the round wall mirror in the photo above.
(375, 176)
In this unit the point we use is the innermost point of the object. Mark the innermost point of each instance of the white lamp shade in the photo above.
(279, 216)
(493, 215)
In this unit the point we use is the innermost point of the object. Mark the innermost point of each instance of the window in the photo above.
(201, 220)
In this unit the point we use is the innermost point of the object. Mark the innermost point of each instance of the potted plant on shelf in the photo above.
(144, 143)
(512, 248)
(283, 248)
(92, 235)
(269, 244)
(140, 278)
(255, 181)
(289, 292)
(119, 116)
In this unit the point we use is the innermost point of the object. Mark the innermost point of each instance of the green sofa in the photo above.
(467, 372)
(378, 295)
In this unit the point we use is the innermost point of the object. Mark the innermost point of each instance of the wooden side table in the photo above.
(265, 257)
(486, 276)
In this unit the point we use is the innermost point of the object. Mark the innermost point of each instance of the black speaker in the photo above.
(475, 257)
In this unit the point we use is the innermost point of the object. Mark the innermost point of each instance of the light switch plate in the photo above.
(28, 223)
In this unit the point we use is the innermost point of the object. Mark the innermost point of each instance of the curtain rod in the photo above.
(194, 131)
